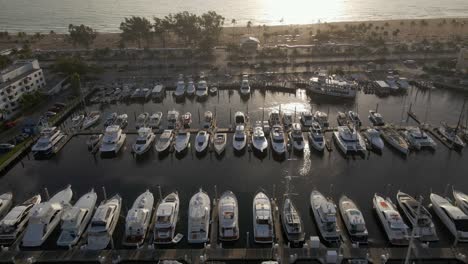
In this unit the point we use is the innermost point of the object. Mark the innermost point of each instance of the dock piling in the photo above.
(104, 193)
(159, 192)
(46, 191)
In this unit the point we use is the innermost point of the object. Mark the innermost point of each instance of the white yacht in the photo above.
(91, 119)
(138, 220)
(394, 139)
(274, 118)
(239, 139)
(207, 120)
(354, 118)
(240, 119)
(158, 92)
(199, 218)
(201, 141)
(219, 142)
(155, 119)
(14, 223)
(144, 141)
(296, 137)
(349, 140)
(6, 201)
(287, 120)
(325, 216)
(180, 89)
(167, 215)
(121, 120)
(191, 88)
(342, 119)
(142, 120)
(461, 200)
(259, 141)
(316, 138)
(422, 225)
(292, 222)
(77, 121)
(182, 141)
(278, 142)
(228, 214)
(418, 139)
(48, 142)
(372, 136)
(307, 119)
(76, 219)
(164, 141)
(376, 118)
(353, 220)
(103, 223)
(450, 135)
(395, 228)
(172, 119)
(321, 118)
(110, 119)
(262, 219)
(113, 140)
(202, 89)
(452, 216)
(44, 217)
(245, 87)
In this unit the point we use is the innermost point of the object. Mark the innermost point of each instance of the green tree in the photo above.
(75, 83)
(71, 65)
(186, 26)
(136, 29)
(161, 28)
(4, 61)
(211, 26)
(81, 35)
(30, 100)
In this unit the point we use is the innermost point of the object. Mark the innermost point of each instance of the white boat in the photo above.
(372, 136)
(144, 141)
(186, 120)
(164, 141)
(207, 120)
(418, 139)
(138, 220)
(422, 225)
(245, 87)
(14, 223)
(93, 141)
(321, 118)
(296, 137)
(452, 216)
(292, 222)
(461, 200)
(395, 228)
(331, 86)
(219, 142)
(113, 140)
(316, 138)
(44, 217)
(142, 120)
(240, 118)
(47, 144)
(6, 201)
(353, 220)
(103, 223)
(167, 215)
(158, 92)
(155, 119)
(199, 218)
(342, 119)
(191, 88)
(121, 121)
(394, 139)
(91, 119)
(228, 214)
(287, 120)
(76, 219)
(324, 211)
(259, 141)
(274, 118)
(307, 119)
(349, 140)
(201, 141)
(180, 89)
(450, 135)
(278, 142)
(202, 89)
(182, 140)
(239, 139)
(354, 118)
(110, 119)
(376, 118)
(262, 219)
(172, 119)
(77, 121)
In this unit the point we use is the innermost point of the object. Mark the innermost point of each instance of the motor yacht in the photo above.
(186, 120)
(91, 119)
(213, 90)
(191, 88)
(172, 119)
(316, 138)
(422, 224)
(77, 121)
(390, 218)
(342, 119)
(121, 121)
(158, 92)
(93, 141)
(349, 140)
(259, 141)
(182, 141)
(228, 214)
(138, 220)
(48, 142)
(144, 141)
(274, 118)
(450, 135)
(44, 217)
(239, 139)
(240, 119)
(376, 118)
(353, 220)
(307, 119)
(202, 89)
(199, 218)
(292, 222)
(372, 136)
(278, 142)
(6, 201)
(287, 120)
(219, 142)
(245, 87)
(394, 139)
(180, 89)
(167, 215)
(461, 200)
(76, 219)
(452, 216)
(296, 137)
(14, 223)
(207, 120)
(155, 119)
(262, 219)
(321, 118)
(103, 223)
(418, 139)
(324, 211)
(110, 119)
(164, 141)
(354, 118)
(201, 141)
(112, 140)
(142, 120)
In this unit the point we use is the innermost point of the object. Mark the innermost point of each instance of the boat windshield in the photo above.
(330, 226)
(239, 138)
(278, 140)
(263, 221)
(307, 117)
(358, 228)
(141, 141)
(461, 225)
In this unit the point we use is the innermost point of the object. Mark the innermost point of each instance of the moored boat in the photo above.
(219, 142)
(239, 139)
(113, 140)
(142, 120)
(324, 211)
(164, 141)
(6, 201)
(373, 138)
(262, 219)
(91, 119)
(394, 139)
(259, 141)
(155, 119)
(199, 218)
(228, 214)
(182, 141)
(292, 222)
(138, 220)
(390, 218)
(278, 142)
(316, 138)
(296, 137)
(144, 141)
(376, 118)
(353, 220)
(103, 223)
(349, 140)
(167, 215)
(201, 141)
(452, 216)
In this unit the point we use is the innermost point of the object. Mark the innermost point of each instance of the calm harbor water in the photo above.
(331, 173)
(106, 15)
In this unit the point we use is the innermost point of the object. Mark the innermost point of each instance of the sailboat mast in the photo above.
(461, 115)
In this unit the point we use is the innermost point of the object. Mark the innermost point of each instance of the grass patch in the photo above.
(17, 148)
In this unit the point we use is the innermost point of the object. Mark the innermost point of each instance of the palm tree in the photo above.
(249, 25)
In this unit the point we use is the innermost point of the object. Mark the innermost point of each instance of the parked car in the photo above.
(6, 147)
